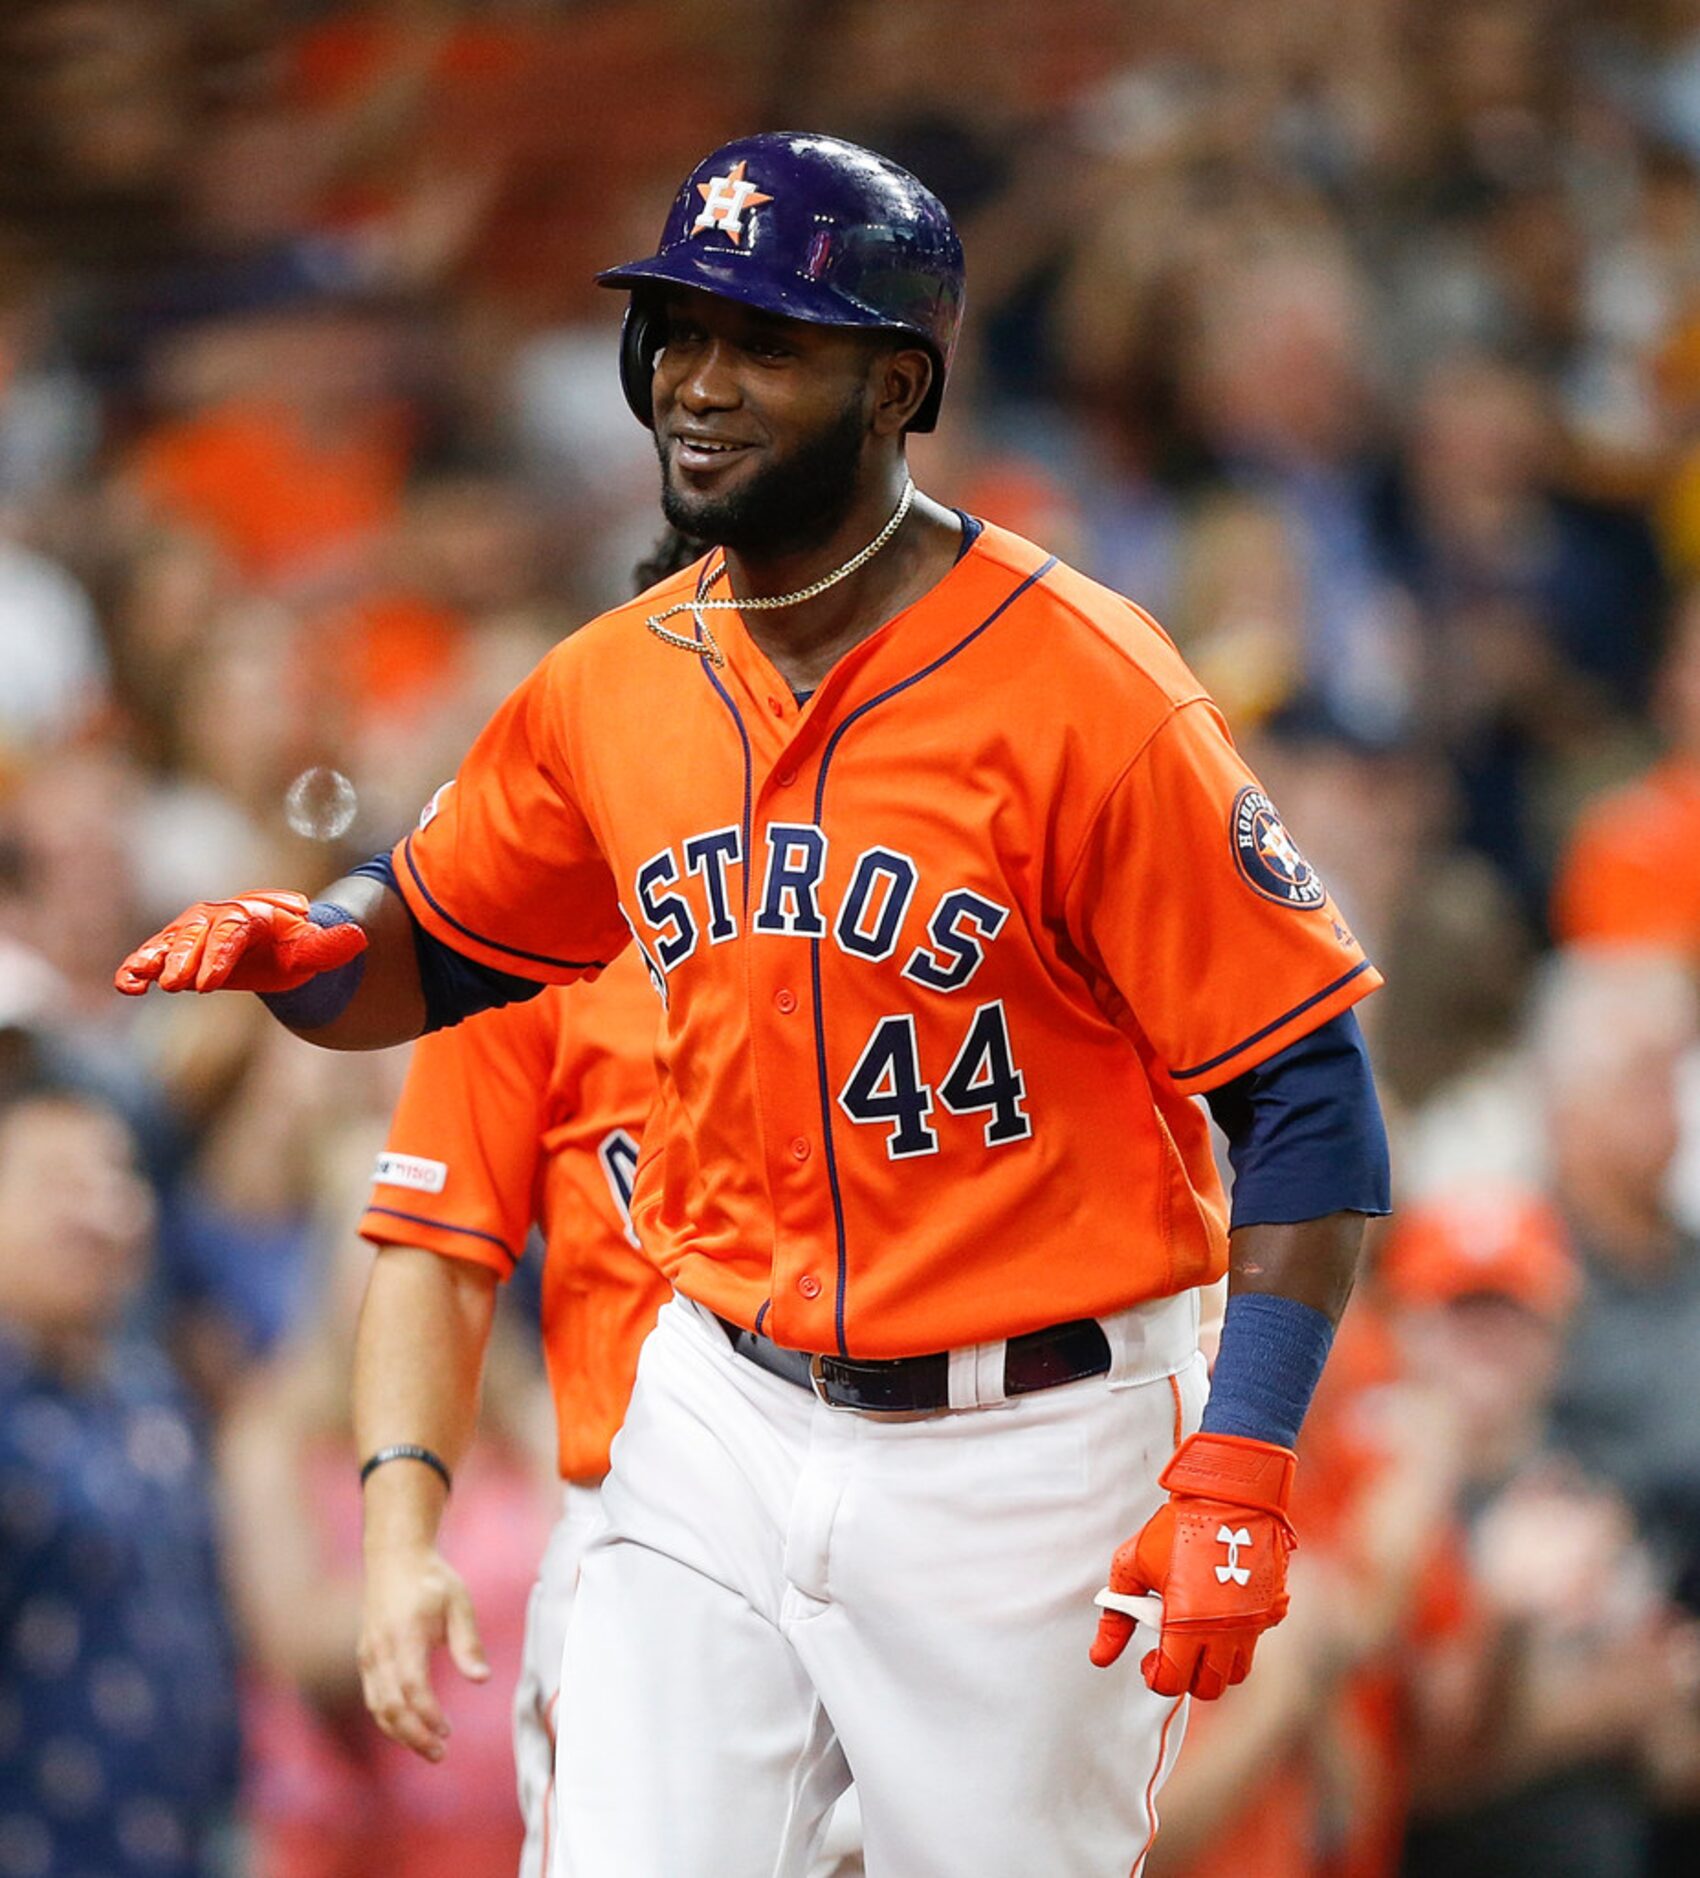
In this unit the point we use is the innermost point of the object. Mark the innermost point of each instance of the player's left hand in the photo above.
(415, 1601)
(1216, 1554)
(261, 941)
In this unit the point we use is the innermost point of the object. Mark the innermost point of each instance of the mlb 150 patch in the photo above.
(1268, 856)
(411, 1170)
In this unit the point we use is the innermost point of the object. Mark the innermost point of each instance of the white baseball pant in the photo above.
(540, 1681)
(540, 1672)
(785, 1592)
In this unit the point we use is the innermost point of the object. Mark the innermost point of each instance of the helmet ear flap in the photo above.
(641, 338)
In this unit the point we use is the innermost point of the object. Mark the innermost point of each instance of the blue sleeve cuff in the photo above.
(326, 995)
(1305, 1134)
(1267, 1368)
(455, 987)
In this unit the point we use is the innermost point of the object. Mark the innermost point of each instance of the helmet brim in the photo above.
(725, 273)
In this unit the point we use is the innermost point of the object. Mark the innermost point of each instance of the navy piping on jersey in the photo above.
(832, 743)
(1268, 1030)
(442, 1225)
(730, 702)
(761, 1315)
(495, 945)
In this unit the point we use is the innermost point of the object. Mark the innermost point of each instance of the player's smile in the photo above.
(702, 456)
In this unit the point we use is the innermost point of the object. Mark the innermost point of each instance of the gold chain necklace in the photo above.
(705, 641)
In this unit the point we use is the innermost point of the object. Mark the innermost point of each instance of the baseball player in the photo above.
(532, 1112)
(954, 892)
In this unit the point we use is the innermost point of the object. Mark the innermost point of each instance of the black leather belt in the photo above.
(910, 1385)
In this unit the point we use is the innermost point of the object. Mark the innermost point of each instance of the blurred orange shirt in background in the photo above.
(1631, 874)
(272, 495)
(391, 653)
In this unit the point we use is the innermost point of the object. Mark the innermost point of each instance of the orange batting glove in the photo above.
(1216, 1555)
(259, 942)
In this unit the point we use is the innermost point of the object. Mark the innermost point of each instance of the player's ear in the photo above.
(901, 379)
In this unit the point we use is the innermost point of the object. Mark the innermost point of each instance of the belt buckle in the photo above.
(817, 1382)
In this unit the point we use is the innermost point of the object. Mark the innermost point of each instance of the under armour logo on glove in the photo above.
(1224, 1491)
(1233, 1571)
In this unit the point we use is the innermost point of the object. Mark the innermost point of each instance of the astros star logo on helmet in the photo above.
(725, 201)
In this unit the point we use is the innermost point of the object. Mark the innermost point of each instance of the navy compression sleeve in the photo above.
(454, 986)
(1305, 1135)
(1306, 1139)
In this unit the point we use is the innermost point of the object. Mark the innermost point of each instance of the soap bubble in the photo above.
(321, 804)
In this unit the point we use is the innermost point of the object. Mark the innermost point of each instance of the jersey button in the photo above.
(800, 1149)
(786, 778)
(785, 1001)
(776, 707)
(809, 1285)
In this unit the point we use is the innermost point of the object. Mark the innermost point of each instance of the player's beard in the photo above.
(795, 501)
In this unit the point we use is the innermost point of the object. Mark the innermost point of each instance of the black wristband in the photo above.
(407, 1451)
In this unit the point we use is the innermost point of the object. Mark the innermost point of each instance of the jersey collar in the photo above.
(977, 582)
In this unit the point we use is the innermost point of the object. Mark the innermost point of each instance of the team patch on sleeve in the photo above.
(411, 1170)
(1269, 859)
(428, 814)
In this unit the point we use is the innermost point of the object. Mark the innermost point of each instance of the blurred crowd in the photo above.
(1360, 343)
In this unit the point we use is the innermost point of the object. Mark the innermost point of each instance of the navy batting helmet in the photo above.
(809, 227)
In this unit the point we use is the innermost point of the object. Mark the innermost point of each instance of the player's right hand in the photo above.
(414, 1601)
(1216, 1554)
(259, 941)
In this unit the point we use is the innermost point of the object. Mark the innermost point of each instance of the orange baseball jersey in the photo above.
(944, 950)
(533, 1112)
(1631, 875)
